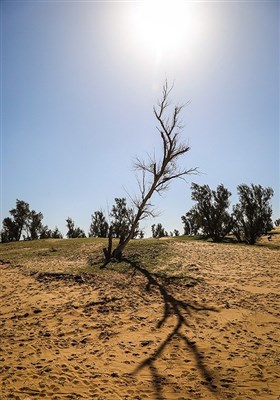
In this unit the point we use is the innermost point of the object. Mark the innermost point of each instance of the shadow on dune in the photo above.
(183, 311)
(179, 308)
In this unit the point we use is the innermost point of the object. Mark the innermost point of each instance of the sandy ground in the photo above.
(137, 336)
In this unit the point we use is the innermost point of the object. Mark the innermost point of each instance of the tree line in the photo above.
(118, 225)
(210, 217)
(27, 224)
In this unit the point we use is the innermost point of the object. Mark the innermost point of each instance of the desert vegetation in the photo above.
(208, 218)
(26, 224)
(177, 318)
(111, 289)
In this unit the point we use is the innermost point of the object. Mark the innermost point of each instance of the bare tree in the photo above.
(155, 174)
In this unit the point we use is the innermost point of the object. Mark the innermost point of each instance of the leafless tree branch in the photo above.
(156, 175)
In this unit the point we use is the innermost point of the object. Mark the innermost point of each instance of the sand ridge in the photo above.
(135, 335)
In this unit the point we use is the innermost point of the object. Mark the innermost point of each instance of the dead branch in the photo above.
(156, 175)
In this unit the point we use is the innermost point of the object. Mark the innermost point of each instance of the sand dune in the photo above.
(133, 335)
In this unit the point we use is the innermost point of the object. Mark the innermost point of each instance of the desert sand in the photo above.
(135, 335)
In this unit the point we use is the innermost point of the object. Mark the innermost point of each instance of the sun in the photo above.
(165, 24)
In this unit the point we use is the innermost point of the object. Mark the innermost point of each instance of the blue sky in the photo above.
(78, 85)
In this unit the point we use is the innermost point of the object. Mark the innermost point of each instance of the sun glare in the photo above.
(162, 25)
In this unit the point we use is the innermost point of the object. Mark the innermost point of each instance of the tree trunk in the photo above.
(108, 251)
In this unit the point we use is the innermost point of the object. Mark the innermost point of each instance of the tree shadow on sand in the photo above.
(179, 308)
